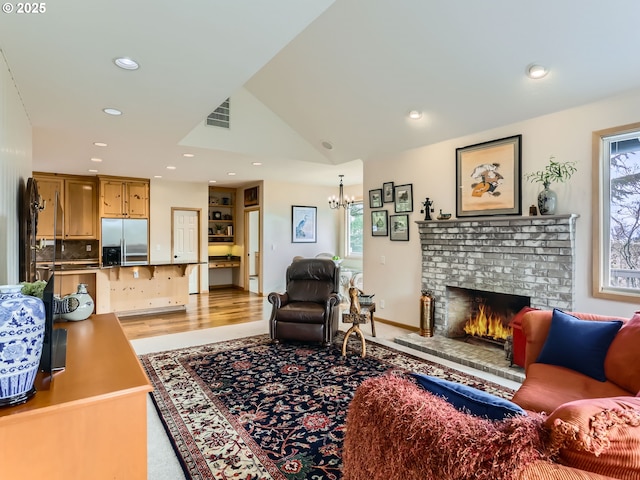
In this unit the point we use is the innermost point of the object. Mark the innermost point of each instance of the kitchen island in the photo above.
(139, 289)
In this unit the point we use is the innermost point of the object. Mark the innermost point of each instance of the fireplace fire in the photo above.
(486, 324)
(482, 315)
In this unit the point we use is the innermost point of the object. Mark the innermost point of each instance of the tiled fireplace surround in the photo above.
(528, 256)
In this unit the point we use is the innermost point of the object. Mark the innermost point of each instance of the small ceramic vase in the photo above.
(85, 309)
(22, 319)
(547, 200)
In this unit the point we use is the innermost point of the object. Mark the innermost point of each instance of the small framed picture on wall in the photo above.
(379, 223)
(399, 227)
(375, 198)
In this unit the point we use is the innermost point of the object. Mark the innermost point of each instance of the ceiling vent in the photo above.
(220, 116)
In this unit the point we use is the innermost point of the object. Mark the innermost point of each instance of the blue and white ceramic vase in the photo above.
(547, 200)
(22, 319)
(85, 307)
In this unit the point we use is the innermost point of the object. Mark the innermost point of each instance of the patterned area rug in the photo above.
(247, 409)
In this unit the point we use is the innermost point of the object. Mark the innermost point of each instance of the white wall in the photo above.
(277, 247)
(164, 196)
(15, 169)
(431, 170)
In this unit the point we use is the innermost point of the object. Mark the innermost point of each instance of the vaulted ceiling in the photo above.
(300, 73)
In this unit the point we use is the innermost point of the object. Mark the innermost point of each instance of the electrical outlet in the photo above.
(88, 248)
(135, 274)
(381, 303)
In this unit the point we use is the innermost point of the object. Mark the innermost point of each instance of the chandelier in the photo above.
(340, 200)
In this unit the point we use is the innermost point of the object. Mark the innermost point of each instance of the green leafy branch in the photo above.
(553, 172)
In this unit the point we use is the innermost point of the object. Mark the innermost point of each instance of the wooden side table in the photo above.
(356, 319)
(370, 309)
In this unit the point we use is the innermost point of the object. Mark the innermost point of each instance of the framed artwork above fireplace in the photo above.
(488, 178)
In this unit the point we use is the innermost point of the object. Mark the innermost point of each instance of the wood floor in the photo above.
(220, 307)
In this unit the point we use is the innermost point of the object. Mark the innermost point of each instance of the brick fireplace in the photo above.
(532, 257)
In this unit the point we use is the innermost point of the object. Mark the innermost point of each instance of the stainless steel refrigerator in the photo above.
(125, 241)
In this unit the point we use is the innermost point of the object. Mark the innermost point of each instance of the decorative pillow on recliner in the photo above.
(469, 399)
(579, 345)
(600, 435)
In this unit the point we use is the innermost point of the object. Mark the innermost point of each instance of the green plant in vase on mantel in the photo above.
(559, 172)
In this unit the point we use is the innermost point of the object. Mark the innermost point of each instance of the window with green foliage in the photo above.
(355, 226)
(617, 199)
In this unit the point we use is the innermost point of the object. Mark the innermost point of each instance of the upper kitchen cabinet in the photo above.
(78, 195)
(124, 197)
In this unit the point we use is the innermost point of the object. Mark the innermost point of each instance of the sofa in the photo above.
(576, 427)
(548, 386)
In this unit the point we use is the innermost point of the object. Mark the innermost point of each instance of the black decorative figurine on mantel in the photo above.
(427, 209)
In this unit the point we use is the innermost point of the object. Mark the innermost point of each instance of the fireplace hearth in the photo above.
(529, 257)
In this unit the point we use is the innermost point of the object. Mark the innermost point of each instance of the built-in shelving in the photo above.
(222, 226)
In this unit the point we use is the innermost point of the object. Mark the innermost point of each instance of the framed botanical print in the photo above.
(375, 198)
(403, 198)
(387, 192)
(379, 223)
(399, 227)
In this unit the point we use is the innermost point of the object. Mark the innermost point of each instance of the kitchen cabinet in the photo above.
(222, 225)
(124, 197)
(78, 195)
(81, 202)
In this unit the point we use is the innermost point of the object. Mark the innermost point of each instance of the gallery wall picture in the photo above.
(379, 223)
(403, 198)
(488, 178)
(387, 192)
(304, 224)
(399, 227)
(375, 198)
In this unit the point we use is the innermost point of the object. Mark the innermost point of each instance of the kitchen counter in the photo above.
(140, 289)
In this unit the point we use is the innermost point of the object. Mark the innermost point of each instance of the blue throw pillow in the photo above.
(469, 399)
(580, 345)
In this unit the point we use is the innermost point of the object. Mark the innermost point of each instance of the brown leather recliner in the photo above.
(308, 310)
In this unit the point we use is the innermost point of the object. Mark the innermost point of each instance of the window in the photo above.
(355, 226)
(616, 156)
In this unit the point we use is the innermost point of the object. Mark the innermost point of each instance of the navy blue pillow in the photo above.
(580, 345)
(469, 399)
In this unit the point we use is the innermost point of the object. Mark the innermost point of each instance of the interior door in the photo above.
(252, 240)
(186, 242)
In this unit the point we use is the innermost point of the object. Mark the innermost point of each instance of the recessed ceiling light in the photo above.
(112, 111)
(257, 164)
(537, 71)
(126, 63)
(231, 174)
(327, 144)
(100, 144)
(213, 181)
(415, 115)
(97, 160)
(157, 176)
(170, 167)
(93, 170)
(188, 155)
